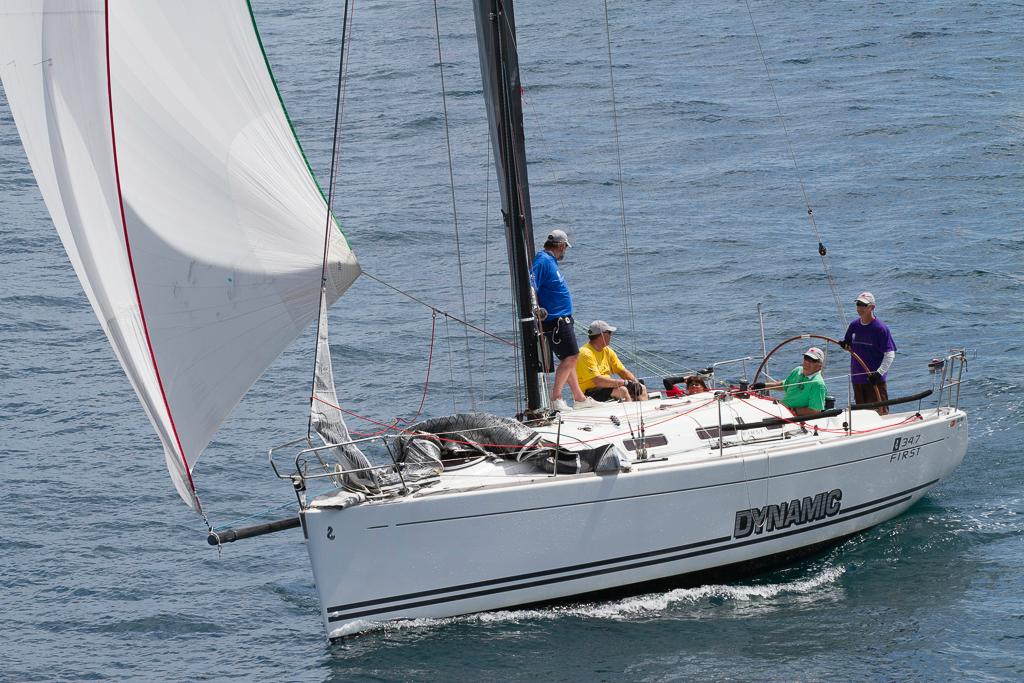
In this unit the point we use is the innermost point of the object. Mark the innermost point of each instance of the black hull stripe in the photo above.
(533, 575)
(647, 495)
(672, 556)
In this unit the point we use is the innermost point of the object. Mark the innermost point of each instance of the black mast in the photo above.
(499, 68)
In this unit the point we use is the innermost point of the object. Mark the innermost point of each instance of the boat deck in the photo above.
(676, 432)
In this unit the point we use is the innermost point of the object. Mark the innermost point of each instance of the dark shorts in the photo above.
(599, 393)
(561, 338)
(865, 393)
(605, 393)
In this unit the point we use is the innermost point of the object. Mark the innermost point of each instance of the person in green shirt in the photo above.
(804, 387)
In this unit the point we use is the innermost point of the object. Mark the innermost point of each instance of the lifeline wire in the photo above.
(807, 202)
(455, 213)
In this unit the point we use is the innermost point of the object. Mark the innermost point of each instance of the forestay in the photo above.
(181, 195)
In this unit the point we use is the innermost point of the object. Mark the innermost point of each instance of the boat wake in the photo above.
(650, 605)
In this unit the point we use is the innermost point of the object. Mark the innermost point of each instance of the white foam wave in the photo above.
(639, 606)
(658, 602)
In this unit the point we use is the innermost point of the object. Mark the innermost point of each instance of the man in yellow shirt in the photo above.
(597, 363)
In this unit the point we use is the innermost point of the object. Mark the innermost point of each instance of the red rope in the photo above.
(370, 435)
(394, 426)
(647, 427)
(430, 358)
(423, 398)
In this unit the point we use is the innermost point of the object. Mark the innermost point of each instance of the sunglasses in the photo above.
(813, 360)
(861, 304)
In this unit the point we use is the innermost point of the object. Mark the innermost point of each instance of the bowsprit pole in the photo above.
(237, 534)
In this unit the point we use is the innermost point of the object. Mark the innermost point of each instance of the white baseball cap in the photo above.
(815, 353)
(559, 237)
(865, 298)
(599, 327)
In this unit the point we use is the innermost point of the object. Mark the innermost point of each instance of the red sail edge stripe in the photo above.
(128, 248)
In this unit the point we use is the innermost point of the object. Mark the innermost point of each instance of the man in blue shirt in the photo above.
(553, 296)
(869, 338)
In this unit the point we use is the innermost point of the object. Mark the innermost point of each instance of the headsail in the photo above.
(326, 420)
(181, 195)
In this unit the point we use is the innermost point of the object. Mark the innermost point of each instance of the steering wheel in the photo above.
(878, 396)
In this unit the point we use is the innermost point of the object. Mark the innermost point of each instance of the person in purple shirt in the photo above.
(869, 338)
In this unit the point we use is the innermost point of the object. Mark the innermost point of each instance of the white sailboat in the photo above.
(197, 229)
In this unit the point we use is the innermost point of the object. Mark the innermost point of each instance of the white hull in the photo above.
(524, 539)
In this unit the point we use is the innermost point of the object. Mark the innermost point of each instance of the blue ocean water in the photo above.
(905, 121)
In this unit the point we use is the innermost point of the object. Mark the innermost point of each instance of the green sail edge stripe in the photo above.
(295, 136)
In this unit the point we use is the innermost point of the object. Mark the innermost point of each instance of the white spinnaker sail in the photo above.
(184, 202)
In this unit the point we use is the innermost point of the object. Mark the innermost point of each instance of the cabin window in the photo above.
(651, 441)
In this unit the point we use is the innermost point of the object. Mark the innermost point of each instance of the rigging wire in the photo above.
(487, 239)
(426, 385)
(455, 213)
(638, 359)
(339, 99)
(517, 186)
(622, 199)
(521, 399)
(487, 266)
(518, 364)
(822, 251)
(438, 310)
(554, 178)
(451, 364)
(556, 183)
(347, 61)
(821, 248)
